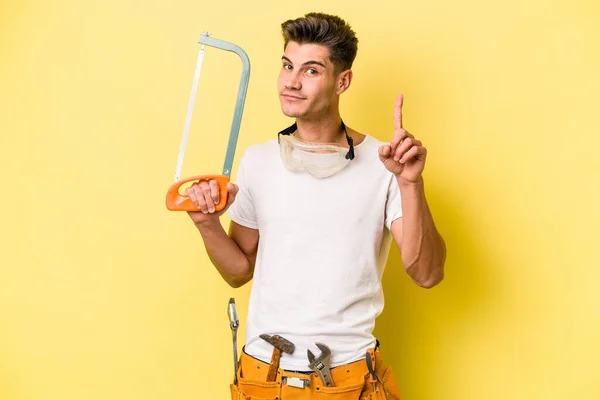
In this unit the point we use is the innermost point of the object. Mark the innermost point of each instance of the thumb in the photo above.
(232, 191)
(385, 152)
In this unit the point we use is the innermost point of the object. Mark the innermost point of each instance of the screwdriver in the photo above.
(371, 367)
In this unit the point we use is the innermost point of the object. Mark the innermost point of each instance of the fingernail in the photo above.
(211, 210)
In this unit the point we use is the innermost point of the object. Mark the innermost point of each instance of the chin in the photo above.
(290, 112)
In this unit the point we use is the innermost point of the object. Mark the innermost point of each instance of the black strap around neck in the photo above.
(349, 156)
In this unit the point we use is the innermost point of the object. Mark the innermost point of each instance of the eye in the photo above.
(312, 71)
(287, 66)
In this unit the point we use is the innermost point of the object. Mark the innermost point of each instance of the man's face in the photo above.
(306, 83)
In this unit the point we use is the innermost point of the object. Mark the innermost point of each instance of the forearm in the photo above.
(231, 262)
(422, 248)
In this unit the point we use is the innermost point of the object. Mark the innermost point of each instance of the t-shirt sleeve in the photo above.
(242, 210)
(393, 206)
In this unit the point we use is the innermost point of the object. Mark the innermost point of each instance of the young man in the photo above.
(313, 216)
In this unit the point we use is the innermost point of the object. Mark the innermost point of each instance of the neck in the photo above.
(322, 130)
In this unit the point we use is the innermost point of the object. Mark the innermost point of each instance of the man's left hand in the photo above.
(405, 155)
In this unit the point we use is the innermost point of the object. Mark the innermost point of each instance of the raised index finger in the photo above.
(398, 112)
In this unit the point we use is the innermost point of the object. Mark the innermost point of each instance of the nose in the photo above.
(293, 82)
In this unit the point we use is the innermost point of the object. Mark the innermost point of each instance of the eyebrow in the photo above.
(306, 63)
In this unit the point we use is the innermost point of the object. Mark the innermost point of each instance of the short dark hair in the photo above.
(328, 30)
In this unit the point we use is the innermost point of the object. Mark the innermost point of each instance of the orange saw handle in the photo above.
(178, 202)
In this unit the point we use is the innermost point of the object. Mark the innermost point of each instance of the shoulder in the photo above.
(368, 147)
(260, 152)
(364, 140)
(367, 158)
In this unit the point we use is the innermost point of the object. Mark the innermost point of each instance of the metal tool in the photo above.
(299, 383)
(234, 323)
(322, 364)
(370, 358)
(175, 200)
(279, 344)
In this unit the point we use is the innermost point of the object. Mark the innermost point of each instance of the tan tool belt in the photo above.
(351, 382)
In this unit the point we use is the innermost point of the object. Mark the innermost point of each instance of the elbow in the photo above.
(426, 276)
(432, 270)
(431, 281)
(242, 277)
(237, 283)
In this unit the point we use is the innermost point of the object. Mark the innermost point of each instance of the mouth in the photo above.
(291, 97)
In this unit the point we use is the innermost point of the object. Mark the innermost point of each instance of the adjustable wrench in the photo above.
(322, 364)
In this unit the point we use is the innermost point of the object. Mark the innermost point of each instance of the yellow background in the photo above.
(104, 294)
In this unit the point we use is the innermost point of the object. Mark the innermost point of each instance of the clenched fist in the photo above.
(205, 195)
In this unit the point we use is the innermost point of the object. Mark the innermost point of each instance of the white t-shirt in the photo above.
(322, 250)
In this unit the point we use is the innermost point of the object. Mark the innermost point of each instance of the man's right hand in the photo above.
(205, 195)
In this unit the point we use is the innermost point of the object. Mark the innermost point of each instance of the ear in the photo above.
(343, 81)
